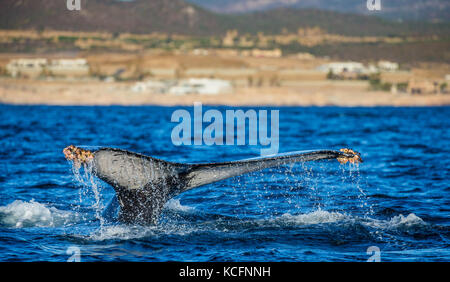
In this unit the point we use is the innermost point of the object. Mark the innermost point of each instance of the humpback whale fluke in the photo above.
(144, 184)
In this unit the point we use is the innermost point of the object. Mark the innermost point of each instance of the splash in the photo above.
(20, 214)
(175, 205)
(83, 174)
(121, 232)
(351, 176)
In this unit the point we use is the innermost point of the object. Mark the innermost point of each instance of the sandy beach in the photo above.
(320, 93)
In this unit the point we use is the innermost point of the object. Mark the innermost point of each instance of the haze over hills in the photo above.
(429, 10)
(180, 17)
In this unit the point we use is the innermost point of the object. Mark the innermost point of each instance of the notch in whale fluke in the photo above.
(144, 184)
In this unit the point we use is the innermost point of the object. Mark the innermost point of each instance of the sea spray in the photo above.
(310, 180)
(83, 175)
(355, 178)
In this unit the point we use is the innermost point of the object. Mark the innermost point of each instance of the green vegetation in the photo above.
(67, 39)
(377, 85)
(330, 75)
(443, 87)
(402, 86)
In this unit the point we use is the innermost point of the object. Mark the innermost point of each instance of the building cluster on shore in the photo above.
(357, 70)
(204, 80)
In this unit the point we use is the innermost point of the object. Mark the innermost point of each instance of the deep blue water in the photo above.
(397, 200)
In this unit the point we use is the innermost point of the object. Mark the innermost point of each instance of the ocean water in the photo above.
(393, 207)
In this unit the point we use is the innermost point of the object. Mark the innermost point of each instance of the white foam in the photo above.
(32, 214)
(174, 204)
(401, 221)
(127, 232)
(315, 217)
(322, 216)
(122, 232)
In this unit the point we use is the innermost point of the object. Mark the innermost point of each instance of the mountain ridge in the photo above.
(428, 10)
(180, 17)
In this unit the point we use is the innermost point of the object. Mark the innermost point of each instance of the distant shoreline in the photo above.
(222, 105)
(228, 100)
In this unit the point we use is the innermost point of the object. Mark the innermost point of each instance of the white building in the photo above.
(26, 67)
(387, 66)
(152, 86)
(69, 62)
(341, 67)
(69, 67)
(200, 52)
(35, 67)
(201, 86)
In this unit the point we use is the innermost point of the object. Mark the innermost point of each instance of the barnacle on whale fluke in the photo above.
(354, 157)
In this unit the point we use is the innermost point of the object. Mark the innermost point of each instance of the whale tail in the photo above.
(144, 184)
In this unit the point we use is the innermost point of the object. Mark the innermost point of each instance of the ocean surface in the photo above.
(393, 207)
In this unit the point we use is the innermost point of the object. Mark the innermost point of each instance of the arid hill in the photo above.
(179, 17)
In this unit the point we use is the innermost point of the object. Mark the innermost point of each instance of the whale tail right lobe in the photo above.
(202, 174)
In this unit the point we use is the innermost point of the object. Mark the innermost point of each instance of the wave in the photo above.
(399, 222)
(410, 222)
(315, 217)
(22, 214)
(19, 214)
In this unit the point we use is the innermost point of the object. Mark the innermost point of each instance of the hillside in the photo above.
(273, 21)
(177, 16)
(420, 10)
(141, 16)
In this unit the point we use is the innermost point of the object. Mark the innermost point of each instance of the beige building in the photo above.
(32, 68)
(69, 67)
(422, 87)
(275, 53)
(387, 66)
(230, 38)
